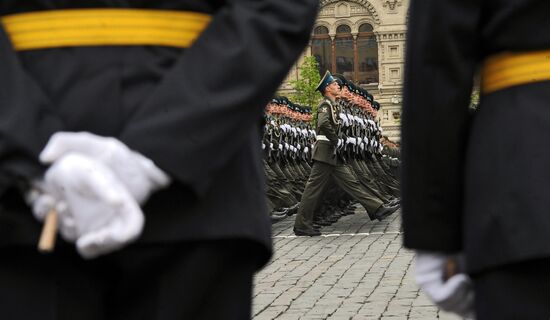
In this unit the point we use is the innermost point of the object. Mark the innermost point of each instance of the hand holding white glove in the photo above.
(95, 209)
(454, 294)
(138, 173)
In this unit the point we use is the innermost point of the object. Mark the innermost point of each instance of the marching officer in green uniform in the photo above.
(326, 164)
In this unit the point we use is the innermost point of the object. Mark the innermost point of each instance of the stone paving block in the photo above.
(288, 297)
(397, 311)
(340, 317)
(423, 313)
(288, 316)
(270, 313)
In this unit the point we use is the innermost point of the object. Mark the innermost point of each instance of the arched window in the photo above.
(344, 51)
(320, 30)
(367, 55)
(343, 28)
(365, 27)
(321, 48)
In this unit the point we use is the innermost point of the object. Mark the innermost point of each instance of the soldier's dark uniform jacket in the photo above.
(475, 184)
(191, 111)
(195, 112)
(324, 150)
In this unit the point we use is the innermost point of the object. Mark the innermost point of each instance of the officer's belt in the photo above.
(104, 27)
(512, 69)
(321, 137)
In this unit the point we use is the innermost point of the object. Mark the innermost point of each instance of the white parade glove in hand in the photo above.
(138, 173)
(454, 294)
(40, 200)
(95, 209)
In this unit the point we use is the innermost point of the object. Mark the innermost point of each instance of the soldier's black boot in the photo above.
(384, 211)
(293, 210)
(309, 233)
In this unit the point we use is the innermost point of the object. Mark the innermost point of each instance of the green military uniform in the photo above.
(326, 164)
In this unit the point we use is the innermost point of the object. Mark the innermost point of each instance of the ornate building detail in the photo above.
(342, 10)
(392, 4)
(359, 10)
(363, 3)
(391, 36)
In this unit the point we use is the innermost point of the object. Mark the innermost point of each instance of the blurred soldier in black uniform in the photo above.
(326, 164)
(479, 184)
(133, 76)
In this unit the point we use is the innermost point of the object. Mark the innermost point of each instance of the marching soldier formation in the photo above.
(287, 141)
(345, 150)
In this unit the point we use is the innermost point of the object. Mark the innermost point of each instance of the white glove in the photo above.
(95, 209)
(343, 117)
(455, 294)
(139, 174)
(40, 201)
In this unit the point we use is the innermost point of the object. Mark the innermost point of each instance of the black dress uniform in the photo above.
(480, 184)
(196, 113)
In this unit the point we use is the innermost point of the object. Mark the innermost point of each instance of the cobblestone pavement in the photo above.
(357, 269)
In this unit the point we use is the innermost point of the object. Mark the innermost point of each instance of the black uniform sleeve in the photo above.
(324, 123)
(26, 118)
(211, 102)
(442, 52)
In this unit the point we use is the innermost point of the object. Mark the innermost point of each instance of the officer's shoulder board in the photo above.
(325, 106)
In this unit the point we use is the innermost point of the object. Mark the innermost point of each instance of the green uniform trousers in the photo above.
(345, 178)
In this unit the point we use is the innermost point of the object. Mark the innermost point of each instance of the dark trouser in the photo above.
(367, 180)
(518, 291)
(202, 280)
(344, 177)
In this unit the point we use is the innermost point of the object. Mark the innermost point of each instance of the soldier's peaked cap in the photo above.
(325, 81)
(370, 97)
(341, 78)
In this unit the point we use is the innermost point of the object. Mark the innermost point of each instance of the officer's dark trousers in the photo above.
(202, 280)
(517, 291)
(344, 177)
